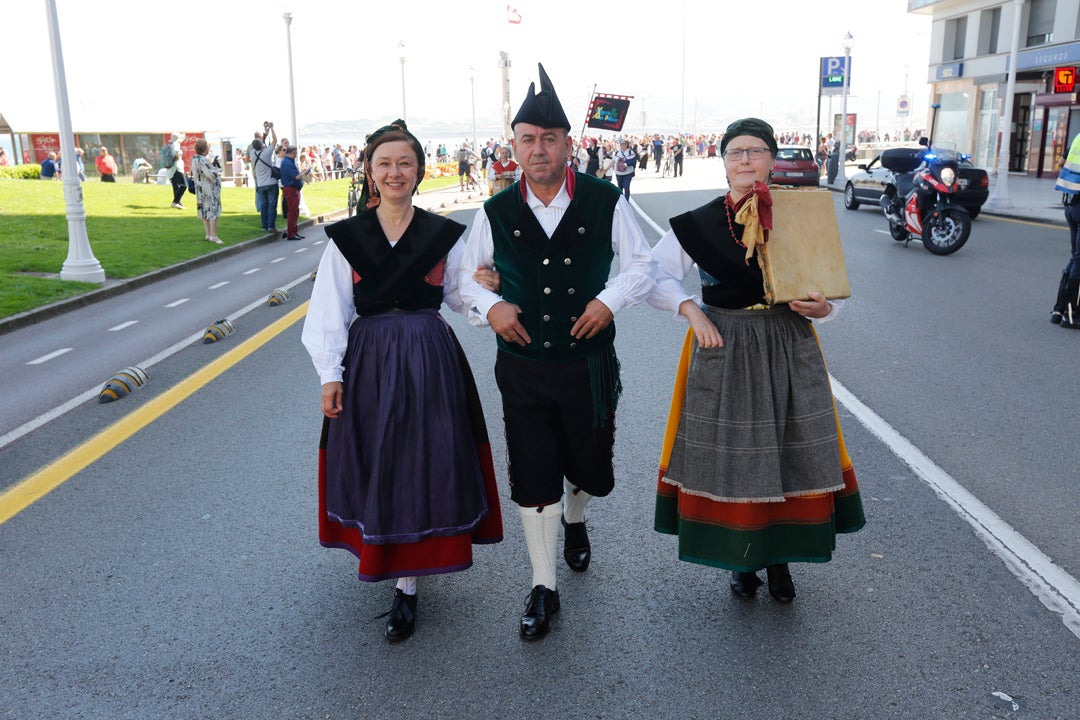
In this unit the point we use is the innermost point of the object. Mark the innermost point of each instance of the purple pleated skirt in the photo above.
(401, 460)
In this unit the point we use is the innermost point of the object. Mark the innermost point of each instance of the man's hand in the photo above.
(595, 318)
(503, 318)
(331, 399)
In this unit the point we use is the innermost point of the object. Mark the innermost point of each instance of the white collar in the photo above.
(561, 201)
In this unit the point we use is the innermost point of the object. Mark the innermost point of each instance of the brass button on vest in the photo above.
(581, 231)
(566, 261)
(547, 291)
(517, 233)
(547, 345)
(547, 318)
(546, 261)
(571, 291)
(573, 345)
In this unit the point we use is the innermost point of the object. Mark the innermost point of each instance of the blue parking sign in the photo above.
(833, 70)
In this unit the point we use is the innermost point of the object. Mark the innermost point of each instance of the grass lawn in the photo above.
(131, 227)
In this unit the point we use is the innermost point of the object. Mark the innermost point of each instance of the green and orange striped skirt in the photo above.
(748, 536)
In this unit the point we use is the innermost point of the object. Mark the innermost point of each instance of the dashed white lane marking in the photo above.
(318, 242)
(215, 286)
(1056, 589)
(92, 393)
(299, 250)
(177, 303)
(252, 271)
(123, 325)
(276, 260)
(50, 356)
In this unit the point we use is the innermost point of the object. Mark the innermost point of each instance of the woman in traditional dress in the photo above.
(207, 177)
(406, 481)
(753, 472)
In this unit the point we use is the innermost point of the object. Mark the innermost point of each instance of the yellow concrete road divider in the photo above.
(218, 331)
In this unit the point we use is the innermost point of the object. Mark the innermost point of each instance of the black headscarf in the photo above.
(750, 126)
(543, 108)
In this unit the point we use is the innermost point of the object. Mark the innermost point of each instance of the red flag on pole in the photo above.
(512, 15)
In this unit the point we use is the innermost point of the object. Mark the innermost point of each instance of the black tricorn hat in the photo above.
(543, 108)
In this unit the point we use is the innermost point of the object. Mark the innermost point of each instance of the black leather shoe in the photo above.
(781, 586)
(745, 584)
(540, 608)
(402, 620)
(576, 548)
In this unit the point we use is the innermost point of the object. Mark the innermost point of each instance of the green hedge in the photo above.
(21, 172)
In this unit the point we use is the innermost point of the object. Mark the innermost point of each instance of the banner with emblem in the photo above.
(608, 112)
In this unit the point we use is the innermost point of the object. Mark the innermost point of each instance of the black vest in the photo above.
(392, 277)
(727, 281)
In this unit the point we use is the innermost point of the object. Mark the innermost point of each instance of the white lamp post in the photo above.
(841, 179)
(80, 263)
(401, 46)
(292, 93)
(472, 90)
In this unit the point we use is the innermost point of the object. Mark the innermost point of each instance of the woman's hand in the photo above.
(816, 307)
(331, 399)
(704, 330)
(488, 278)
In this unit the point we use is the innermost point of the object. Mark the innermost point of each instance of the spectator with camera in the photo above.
(266, 176)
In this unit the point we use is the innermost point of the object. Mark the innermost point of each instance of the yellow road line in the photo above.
(36, 486)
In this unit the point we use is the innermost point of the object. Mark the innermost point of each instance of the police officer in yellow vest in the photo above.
(552, 237)
(1067, 307)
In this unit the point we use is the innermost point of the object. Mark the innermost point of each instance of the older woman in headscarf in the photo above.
(753, 471)
(406, 480)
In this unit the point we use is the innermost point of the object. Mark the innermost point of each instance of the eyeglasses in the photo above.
(754, 153)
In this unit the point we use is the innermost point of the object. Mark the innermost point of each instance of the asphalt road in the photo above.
(179, 575)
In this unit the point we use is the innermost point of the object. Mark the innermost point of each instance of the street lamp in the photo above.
(292, 93)
(999, 194)
(472, 90)
(841, 180)
(80, 263)
(401, 47)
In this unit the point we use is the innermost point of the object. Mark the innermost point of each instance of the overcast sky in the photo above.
(222, 65)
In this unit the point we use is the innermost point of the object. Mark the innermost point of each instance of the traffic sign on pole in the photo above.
(833, 70)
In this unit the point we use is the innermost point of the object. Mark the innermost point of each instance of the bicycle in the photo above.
(354, 190)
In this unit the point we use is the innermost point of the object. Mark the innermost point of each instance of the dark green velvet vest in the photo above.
(553, 279)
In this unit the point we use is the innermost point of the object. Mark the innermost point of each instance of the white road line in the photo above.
(92, 394)
(127, 324)
(318, 242)
(177, 303)
(883, 232)
(299, 250)
(215, 286)
(50, 356)
(252, 271)
(1055, 588)
(276, 260)
(659, 230)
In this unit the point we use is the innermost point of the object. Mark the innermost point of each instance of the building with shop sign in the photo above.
(970, 47)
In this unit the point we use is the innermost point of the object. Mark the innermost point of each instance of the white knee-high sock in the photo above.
(574, 501)
(541, 537)
(407, 585)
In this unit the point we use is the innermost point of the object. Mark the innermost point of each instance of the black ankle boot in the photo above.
(402, 620)
(781, 586)
(744, 584)
(1062, 299)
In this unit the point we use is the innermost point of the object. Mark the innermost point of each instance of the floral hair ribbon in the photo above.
(755, 216)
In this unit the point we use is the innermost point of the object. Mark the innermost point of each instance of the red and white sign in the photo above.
(1064, 79)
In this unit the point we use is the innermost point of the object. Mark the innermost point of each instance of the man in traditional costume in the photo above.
(552, 238)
